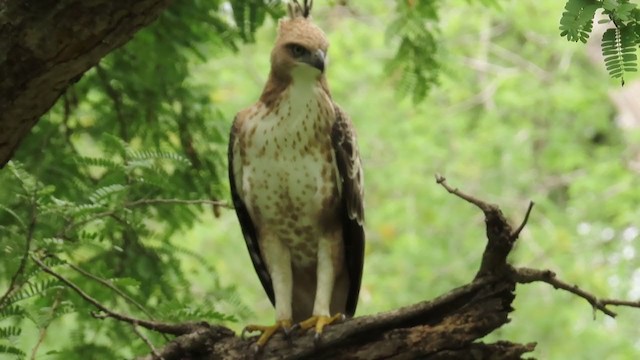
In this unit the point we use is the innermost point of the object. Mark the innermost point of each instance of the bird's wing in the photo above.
(350, 169)
(247, 225)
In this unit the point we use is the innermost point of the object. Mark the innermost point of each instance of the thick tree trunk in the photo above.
(47, 45)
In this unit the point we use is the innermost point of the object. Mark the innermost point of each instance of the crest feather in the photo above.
(298, 10)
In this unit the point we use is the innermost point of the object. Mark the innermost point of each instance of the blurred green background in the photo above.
(518, 114)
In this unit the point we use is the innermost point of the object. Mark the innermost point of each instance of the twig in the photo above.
(615, 302)
(178, 201)
(112, 287)
(45, 327)
(143, 202)
(117, 101)
(167, 328)
(517, 232)
(95, 216)
(13, 285)
(154, 351)
(475, 201)
(527, 275)
(520, 61)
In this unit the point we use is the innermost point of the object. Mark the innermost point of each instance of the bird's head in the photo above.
(301, 46)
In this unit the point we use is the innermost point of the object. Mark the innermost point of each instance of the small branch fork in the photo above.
(524, 275)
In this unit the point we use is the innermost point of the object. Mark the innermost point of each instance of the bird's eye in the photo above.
(298, 50)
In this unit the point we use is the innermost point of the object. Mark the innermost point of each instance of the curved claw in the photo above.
(267, 332)
(318, 322)
(317, 337)
(256, 349)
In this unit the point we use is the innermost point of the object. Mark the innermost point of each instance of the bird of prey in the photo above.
(297, 185)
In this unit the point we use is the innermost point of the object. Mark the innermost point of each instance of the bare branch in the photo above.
(475, 201)
(154, 352)
(45, 327)
(112, 287)
(116, 98)
(426, 330)
(615, 302)
(517, 232)
(527, 275)
(14, 285)
(141, 202)
(167, 328)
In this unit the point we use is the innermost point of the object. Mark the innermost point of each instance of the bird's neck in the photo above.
(302, 85)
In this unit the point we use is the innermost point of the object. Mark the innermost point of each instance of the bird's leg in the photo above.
(325, 282)
(278, 261)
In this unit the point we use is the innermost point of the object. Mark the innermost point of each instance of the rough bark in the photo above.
(47, 45)
(445, 328)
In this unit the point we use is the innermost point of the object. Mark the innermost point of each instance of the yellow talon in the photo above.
(319, 322)
(268, 331)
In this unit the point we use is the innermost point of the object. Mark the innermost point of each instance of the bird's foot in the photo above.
(319, 322)
(267, 331)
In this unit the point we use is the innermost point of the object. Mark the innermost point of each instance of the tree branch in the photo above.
(13, 284)
(110, 286)
(141, 202)
(45, 327)
(44, 57)
(167, 328)
(526, 275)
(448, 327)
(475, 201)
(154, 351)
(516, 233)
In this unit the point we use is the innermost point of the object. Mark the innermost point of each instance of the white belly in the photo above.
(290, 179)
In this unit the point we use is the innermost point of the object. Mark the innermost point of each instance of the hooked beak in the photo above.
(316, 60)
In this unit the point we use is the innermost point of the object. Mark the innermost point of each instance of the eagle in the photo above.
(297, 185)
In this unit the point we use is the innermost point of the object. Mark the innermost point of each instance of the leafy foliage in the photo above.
(12, 350)
(576, 22)
(619, 50)
(135, 154)
(619, 42)
(415, 63)
(108, 183)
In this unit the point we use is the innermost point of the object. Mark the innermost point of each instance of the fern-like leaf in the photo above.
(11, 350)
(10, 311)
(104, 192)
(195, 313)
(27, 181)
(10, 331)
(155, 155)
(112, 142)
(618, 49)
(31, 290)
(14, 215)
(100, 162)
(576, 22)
(85, 209)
